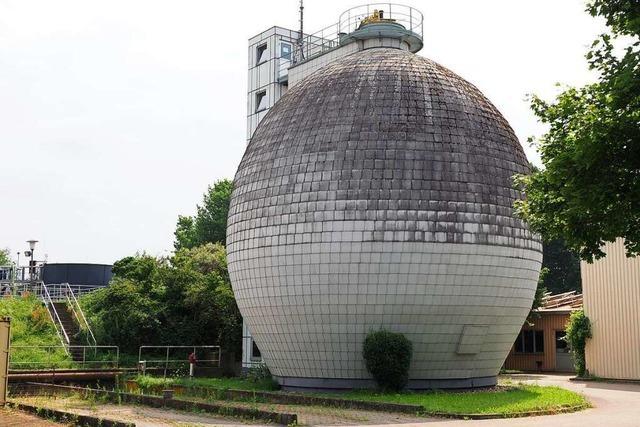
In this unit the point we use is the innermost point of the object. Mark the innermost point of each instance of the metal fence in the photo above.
(12, 273)
(211, 355)
(56, 356)
(329, 37)
(57, 291)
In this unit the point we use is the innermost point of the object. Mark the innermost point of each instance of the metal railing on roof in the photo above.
(350, 20)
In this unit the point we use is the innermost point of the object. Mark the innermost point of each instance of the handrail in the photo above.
(84, 348)
(73, 302)
(27, 274)
(49, 302)
(166, 360)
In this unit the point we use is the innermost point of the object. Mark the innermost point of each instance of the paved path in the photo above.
(614, 404)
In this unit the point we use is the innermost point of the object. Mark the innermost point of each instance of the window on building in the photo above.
(285, 51)
(530, 342)
(261, 101)
(261, 54)
(561, 343)
(255, 351)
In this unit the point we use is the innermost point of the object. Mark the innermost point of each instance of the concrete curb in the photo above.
(158, 402)
(563, 410)
(292, 399)
(603, 380)
(67, 417)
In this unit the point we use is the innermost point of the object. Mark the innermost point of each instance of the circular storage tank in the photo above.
(377, 193)
(96, 275)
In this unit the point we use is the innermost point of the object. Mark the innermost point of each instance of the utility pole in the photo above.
(32, 265)
(301, 34)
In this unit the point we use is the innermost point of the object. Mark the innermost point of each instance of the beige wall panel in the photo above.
(611, 288)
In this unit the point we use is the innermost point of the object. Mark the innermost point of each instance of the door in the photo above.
(564, 360)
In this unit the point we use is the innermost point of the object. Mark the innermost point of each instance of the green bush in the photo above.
(185, 299)
(260, 374)
(387, 356)
(577, 332)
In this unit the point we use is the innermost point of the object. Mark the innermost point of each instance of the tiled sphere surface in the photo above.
(377, 193)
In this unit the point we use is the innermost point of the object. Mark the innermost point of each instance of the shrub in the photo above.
(577, 332)
(387, 356)
(258, 372)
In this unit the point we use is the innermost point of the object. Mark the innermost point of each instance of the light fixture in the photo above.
(32, 244)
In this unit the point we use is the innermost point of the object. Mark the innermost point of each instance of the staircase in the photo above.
(69, 320)
(71, 330)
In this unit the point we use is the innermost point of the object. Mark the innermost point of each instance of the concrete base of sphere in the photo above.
(344, 384)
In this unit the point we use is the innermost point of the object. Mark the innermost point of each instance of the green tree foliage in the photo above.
(388, 356)
(124, 314)
(563, 268)
(5, 257)
(577, 332)
(538, 296)
(589, 191)
(182, 300)
(209, 225)
(141, 268)
(560, 273)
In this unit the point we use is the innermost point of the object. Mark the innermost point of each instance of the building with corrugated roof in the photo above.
(540, 345)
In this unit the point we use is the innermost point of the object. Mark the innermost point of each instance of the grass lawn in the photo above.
(32, 326)
(505, 401)
(236, 383)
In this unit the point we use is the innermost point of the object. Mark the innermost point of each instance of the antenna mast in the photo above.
(301, 34)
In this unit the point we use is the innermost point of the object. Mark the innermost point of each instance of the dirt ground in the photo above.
(152, 417)
(141, 415)
(14, 418)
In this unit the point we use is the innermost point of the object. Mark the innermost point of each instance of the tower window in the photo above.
(261, 54)
(261, 101)
(255, 351)
(285, 51)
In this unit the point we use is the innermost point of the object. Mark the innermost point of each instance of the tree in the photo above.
(124, 314)
(182, 300)
(5, 256)
(562, 268)
(206, 294)
(538, 297)
(209, 225)
(141, 268)
(589, 191)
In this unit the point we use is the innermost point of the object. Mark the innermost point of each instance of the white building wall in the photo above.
(299, 72)
(268, 75)
(271, 77)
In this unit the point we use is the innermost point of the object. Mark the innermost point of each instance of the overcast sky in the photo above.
(116, 115)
